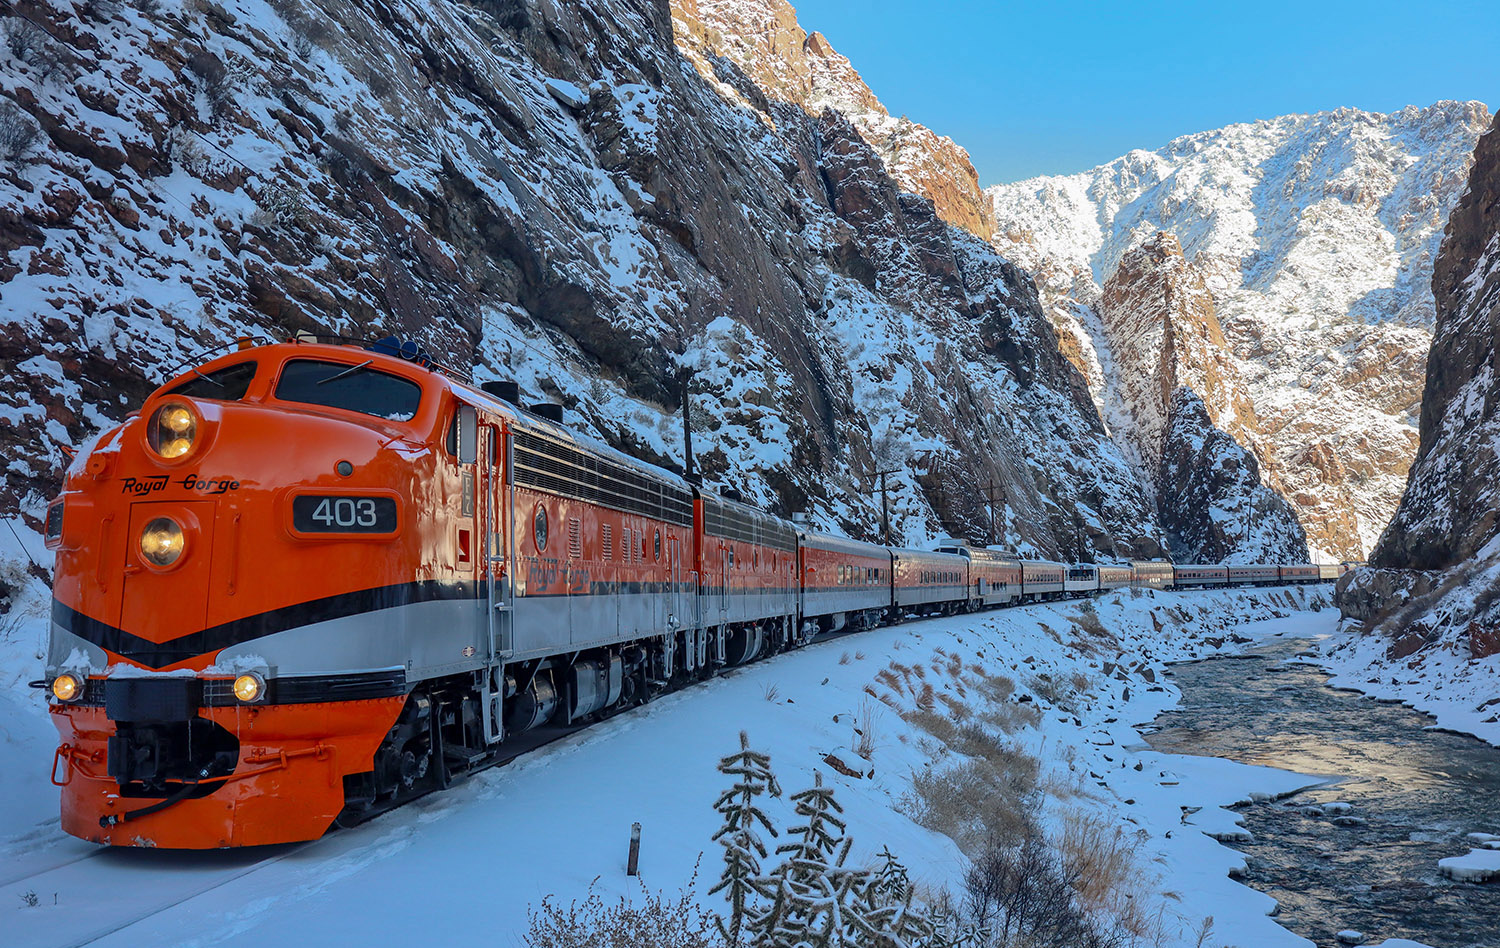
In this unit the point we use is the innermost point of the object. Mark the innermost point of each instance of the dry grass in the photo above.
(865, 729)
(1059, 694)
(989, 799)
(938, 726)
(1104, 862)
(844, 659)
(1088, 623)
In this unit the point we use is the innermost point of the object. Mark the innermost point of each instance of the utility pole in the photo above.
(989, 496)
(684, 377)
(885, 506)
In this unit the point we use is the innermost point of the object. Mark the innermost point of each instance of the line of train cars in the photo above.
(308, 582)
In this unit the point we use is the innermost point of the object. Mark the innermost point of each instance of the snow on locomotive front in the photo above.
(249, 573)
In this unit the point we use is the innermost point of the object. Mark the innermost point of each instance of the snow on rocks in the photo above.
(1480, 865)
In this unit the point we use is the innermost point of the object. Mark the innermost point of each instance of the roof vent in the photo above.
(730, 493)
(548, 410)
(505, 391)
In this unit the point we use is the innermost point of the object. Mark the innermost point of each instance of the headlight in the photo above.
(249, 687)
(67, 687)
(162, 542)
(172, 429)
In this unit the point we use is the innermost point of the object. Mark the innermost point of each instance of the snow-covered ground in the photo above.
(476, 858)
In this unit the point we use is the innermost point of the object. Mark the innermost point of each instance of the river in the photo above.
(1360, 853)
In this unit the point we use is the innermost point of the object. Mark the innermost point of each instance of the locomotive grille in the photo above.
(547, 465)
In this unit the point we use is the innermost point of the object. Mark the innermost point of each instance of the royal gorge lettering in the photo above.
(156, 483)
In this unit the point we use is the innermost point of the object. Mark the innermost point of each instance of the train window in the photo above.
(350, 387)
(225, 385)
(539, 528)
(463, 435)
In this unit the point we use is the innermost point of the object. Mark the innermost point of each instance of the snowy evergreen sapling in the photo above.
(740, 834)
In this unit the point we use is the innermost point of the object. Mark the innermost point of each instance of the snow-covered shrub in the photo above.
(18, 133)
(186, 152)
(282, 205)
(101, 11)
(653, 921)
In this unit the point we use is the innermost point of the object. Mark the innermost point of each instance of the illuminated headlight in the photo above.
(249, 688)
(172, 429)
(162, 542)
(67, 687)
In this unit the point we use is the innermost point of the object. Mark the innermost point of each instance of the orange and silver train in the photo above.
(307, 582)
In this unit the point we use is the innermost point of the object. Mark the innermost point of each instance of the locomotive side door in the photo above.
(677, 615)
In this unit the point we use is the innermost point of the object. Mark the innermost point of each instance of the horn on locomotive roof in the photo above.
(548, 410)
(506, 391)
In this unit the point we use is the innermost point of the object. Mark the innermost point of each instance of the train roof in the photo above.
(829, 541)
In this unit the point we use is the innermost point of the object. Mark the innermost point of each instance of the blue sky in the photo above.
(1053, 88)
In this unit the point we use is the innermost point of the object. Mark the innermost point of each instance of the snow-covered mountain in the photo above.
(564, 194)
(1314, 237)
(763, 39)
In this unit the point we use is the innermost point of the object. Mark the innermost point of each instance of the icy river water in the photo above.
(1412, 794)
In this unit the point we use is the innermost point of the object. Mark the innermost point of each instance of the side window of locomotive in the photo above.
(350, 387)
(463, 435)
(225, 385)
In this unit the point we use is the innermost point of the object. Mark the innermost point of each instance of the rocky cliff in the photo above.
(764, 39)
(552, 192)
(1314, 237)
(1451, 507)
(1433, 586)
(1182, 413)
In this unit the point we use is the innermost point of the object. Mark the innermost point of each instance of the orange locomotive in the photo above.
(306, 583)
(311, 581)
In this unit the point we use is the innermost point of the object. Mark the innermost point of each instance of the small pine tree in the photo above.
(740, 834)
(813, 896)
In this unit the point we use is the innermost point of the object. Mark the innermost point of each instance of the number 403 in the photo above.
(345, 512)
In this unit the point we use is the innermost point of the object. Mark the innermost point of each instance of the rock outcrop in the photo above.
(1451, 508)
(1183, 415)
(1212, 503)
(764, 39)
(1315, 237)
(1434, 580)
(551, 192)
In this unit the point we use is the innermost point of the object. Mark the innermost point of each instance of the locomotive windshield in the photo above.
(350, 387)
(225, 385)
